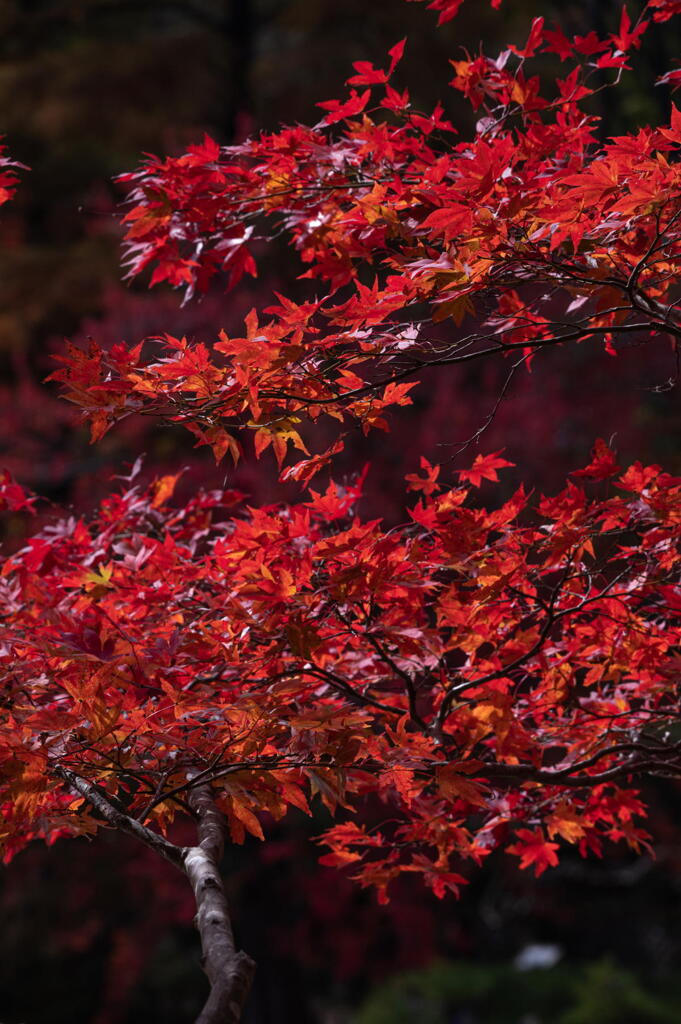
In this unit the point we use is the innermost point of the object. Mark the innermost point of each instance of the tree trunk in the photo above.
(230, 972)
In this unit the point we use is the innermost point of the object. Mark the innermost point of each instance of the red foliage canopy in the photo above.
(432, 251)
(493, 675)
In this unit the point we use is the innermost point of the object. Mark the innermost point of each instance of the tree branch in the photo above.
(118, 819)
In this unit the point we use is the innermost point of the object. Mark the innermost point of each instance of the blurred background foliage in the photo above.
(495, 995)
(100, 932)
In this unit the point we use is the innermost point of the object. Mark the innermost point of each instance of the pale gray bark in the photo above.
(230, 971)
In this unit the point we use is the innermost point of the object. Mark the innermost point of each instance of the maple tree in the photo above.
(498, 677)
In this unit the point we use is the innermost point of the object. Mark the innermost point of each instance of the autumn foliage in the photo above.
(486, 672)
(497, 677)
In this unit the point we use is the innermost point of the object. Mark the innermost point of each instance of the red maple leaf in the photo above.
(484, 468)
(602, 465)
(534, 850)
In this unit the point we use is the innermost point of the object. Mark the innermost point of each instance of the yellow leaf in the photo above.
(247, 818)
(99, 578)
(163, 489)
(565, 822)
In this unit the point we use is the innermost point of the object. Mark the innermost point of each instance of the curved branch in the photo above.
(118, 819)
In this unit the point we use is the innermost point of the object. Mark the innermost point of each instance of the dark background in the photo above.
(101, 932)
